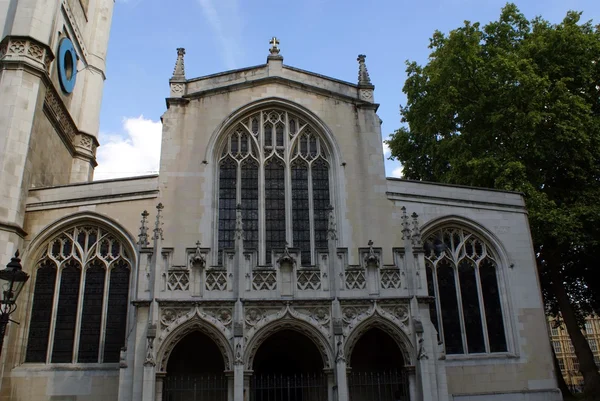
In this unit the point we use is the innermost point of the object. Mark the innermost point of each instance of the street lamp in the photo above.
(12, 280)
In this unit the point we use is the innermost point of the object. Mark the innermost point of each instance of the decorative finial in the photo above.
(332, 227)
(417, 242)
(405, 225)
(239, 224)
(143, 236)
(198, 258)
(179, 72)
(158, 231)
(286, 257)
(371, 259)
(363, 74)
(274, 46)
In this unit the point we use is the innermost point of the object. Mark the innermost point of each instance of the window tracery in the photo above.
(462, 275)
(80, 298)
(276, 167)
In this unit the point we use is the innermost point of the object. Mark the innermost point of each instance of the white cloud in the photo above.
(386, 149)
(226, 23)
(397, 172)
(136, 152)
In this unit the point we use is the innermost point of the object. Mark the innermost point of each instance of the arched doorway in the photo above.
(288, 367)
(377, 369)
(195, 371)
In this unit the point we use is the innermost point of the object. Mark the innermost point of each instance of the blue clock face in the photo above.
(67, 65)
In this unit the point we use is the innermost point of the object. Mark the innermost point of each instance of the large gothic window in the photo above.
(462, 275)
(80, 298)
(276, 167)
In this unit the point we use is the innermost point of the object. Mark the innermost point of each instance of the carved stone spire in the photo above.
(179, 72)
(417, 242)
(158, 231)
(363, 73)
(143, 236)
(406, 232)
(332, 226)
(198, 259)
(371, 259)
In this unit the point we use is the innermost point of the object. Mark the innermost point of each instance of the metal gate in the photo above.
(195, 388)
(391, 385)
(300, 387)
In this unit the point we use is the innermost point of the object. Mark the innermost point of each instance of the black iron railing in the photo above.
(298, 387)
(391, 385)
(195, 388)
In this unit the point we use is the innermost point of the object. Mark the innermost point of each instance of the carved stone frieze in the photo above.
(356, 312)
(16, 47)
(220, 317)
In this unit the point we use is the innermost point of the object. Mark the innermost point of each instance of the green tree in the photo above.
(515, 105)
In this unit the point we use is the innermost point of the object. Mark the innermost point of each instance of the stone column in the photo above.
(238, 382)
(340, 371)
(412, 382)
(160, 377)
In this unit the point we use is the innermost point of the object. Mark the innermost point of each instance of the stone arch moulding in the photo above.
(504, 263)
(87, 217)
(288, 322)
(191, 322)
(223, 128)
(377, 320)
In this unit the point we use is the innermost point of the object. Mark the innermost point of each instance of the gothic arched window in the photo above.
(80, 298)
(462, 275)
(276, 167)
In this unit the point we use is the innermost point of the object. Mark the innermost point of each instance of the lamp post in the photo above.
(12, 280)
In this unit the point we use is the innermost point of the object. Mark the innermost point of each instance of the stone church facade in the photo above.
(270, 259)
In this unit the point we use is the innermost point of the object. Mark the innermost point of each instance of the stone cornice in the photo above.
(26, 49)
(13, 228)
(275, 79)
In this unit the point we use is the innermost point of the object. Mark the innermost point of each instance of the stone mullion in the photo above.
(438, 306)
(463, 331)
(104, 314)
(311, 216)
(289, 235)
(79, 316)
(482, 308)
(59, 269)
(261, 191)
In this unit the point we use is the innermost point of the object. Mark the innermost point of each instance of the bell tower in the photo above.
(52, 72)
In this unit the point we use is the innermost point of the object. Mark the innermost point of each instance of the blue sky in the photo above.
(323, 36)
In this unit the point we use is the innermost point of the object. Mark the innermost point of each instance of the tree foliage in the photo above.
(515, 105)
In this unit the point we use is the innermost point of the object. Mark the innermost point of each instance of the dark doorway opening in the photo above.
(195, 371)
(288, 367)
(377, 369)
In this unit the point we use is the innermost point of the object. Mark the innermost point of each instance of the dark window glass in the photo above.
(449, 305)
(293, 127)
(41, 312)
(321, 201)
(300, 210)
(279, 134)
(244, 144)
(268, 135)
(234, 144)
(255, 126)
(313, 146)
(274, 206)
(91, 316)
(116, 318)
(66, 315)
(431, 291)
(493, 310)
(227, 205)
(250, 203)
(304, 145)
(470, 304)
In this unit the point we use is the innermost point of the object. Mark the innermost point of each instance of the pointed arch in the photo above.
(83, 275)
(399, 336)
(192, 324)
(475, 277)
(288, 322)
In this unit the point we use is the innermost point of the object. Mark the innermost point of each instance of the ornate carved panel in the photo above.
(178, 280)
(390, 278)
(309, 279)
(355, 279)
(264, 280)
(216, 280)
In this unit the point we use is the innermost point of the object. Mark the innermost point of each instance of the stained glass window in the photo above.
(91, 315)
(465, 285)
(41, 312)
(70, 278)
(274, 205)
(289, 157)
